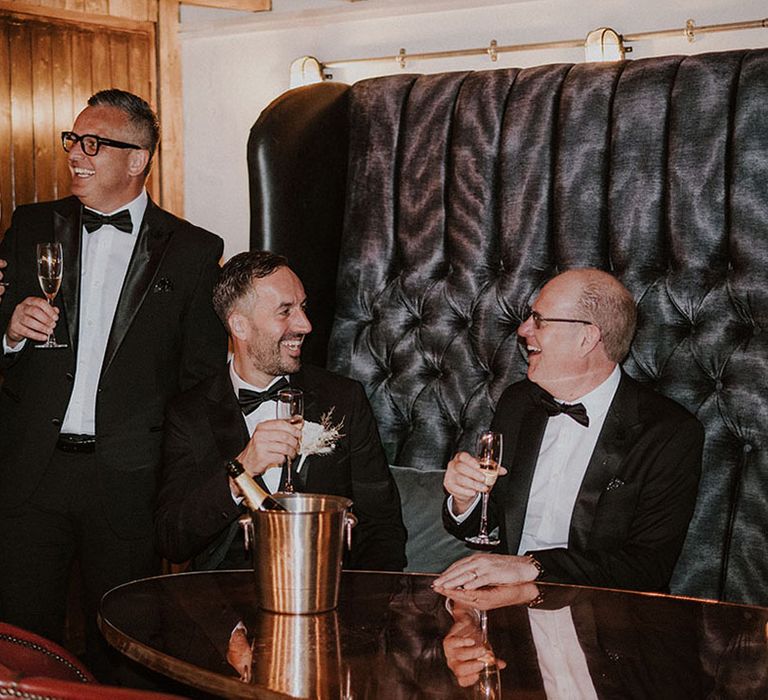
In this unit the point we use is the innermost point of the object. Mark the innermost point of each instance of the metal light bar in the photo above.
(691, 29)
(493, 49)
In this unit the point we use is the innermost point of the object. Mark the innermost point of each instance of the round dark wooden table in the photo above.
(393, 636)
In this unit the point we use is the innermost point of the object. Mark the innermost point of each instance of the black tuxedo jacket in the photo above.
(632, 511)
(196, 515)
(165, 337)
(631, 652)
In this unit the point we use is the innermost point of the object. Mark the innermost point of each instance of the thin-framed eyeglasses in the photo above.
(539, 320)
(90, 143)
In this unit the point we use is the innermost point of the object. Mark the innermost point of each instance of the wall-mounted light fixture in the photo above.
(305, 71)
(604, 44)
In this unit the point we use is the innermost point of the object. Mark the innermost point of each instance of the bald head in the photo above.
(601, 298)
(580, 327)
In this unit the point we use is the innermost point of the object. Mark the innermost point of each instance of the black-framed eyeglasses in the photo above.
(539, 320)
(90, 143)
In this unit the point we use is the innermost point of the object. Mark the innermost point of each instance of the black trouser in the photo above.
(63, 522)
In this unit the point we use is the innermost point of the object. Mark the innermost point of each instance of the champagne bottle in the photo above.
(256, 498)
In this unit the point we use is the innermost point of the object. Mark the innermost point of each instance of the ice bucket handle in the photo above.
(349, 522)
(246, 522)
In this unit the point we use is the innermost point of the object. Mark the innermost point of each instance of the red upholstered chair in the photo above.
(32, 666)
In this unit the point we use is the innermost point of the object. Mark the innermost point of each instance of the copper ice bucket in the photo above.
(297, 554)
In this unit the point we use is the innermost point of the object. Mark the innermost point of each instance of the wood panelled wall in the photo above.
(54, 68)
(139, 10)
(52, 58)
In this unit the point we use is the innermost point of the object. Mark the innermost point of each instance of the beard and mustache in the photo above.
(266, 355)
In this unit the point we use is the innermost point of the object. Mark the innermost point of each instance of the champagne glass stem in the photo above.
(50, 343)
(484, 516)
(288, 477)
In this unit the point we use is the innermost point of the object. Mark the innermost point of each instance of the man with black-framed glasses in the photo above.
(81, 426)
(600, 473)
(91, 143)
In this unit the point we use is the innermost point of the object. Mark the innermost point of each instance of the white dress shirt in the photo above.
(267, 411)
(104, 258)
(562, 662)
(566, 449)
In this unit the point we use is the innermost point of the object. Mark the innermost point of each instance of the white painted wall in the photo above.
(234, 64)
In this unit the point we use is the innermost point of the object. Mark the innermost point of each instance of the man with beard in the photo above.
(600, 473)
(232, 416)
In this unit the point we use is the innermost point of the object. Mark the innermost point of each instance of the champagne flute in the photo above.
(488, 685)
(488, 454)
(290, 406)
(50, 266)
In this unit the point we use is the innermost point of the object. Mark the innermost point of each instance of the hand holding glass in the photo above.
(488, 454)
(50, 266)
(290, 406)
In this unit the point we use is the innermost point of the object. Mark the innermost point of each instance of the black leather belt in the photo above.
(69, 442)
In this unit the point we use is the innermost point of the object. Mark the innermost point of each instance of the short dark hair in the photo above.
(138, 111)
(237, 276)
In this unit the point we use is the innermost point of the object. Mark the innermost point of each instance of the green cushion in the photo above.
(430, 548)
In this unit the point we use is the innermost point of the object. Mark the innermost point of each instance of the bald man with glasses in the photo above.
(600, 473)
(81, 426)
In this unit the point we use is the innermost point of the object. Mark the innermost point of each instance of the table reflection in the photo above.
(298, 655)
(392, 636)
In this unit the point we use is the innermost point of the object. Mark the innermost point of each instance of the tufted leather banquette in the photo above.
(423, 213)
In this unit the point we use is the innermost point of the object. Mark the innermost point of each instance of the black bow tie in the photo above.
(121, 221)
(250, 400)
(554, 408)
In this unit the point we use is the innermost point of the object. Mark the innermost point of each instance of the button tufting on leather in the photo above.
(698, 310)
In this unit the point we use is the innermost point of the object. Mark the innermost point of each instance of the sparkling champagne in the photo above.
(50, 286)
(290, 406)
(50, 267)
(490, 469)
(488, 455)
